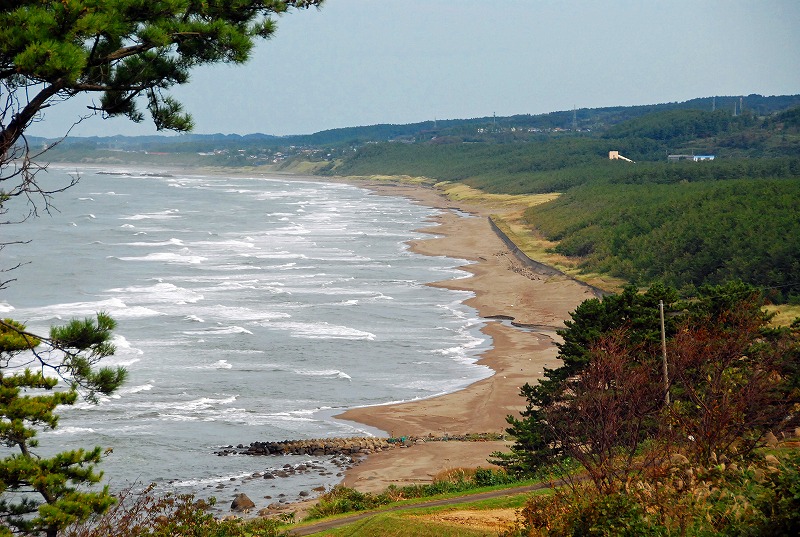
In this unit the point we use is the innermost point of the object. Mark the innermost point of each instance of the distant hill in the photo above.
(484, 129)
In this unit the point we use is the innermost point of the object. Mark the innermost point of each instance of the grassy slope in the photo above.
(429, 521)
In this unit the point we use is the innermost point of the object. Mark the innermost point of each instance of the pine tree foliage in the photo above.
(45, 494)
(635, 313)
(122, 50)
(129, 53)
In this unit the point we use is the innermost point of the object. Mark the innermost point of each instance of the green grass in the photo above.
(393, 525)
(409, 523)
(509, 501)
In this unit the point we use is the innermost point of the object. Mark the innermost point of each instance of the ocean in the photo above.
(248, 309)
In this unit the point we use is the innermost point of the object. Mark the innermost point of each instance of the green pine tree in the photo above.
(637, 313)
(42, 495)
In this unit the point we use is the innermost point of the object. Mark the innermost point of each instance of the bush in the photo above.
(778, 500)
(584, 512)
(758, 501)
(344, 500)
(146, 514)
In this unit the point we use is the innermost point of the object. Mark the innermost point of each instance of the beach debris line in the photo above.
(358, 445)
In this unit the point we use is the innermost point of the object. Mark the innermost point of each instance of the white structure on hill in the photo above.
(614, 155)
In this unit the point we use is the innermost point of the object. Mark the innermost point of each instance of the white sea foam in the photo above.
(231, 244)
(280, 255)
(332, 373)
(158, 293)
(5, 308)
(288, 416)
(230, 267)
(129, 390)
(201, 403)
(322, 330)
(233, 285)
(118, 361)
(237, 313)
(193, 483)
(218, 331)
(183, 258)
(219, 364)
(451, 351)
(170, 242)
(136, 312)
(115, 306)
(68, 431)
(161, 215)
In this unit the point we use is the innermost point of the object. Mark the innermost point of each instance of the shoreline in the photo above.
(502, 288)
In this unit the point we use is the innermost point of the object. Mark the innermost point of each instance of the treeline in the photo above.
(681, 125)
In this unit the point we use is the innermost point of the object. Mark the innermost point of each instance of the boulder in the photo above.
(242, 503)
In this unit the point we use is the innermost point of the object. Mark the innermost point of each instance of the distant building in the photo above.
(694, 158)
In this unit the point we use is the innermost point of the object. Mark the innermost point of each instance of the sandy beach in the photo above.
(502, 286)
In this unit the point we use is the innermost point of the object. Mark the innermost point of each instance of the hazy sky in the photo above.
(363, 62)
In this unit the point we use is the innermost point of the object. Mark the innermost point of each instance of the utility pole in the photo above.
(664, 352)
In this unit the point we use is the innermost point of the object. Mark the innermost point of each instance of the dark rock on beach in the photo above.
(242, 503)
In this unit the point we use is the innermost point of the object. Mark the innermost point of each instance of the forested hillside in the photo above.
(684, 223)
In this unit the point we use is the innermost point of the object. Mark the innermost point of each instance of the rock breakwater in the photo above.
(344, 446)
(316, 447)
